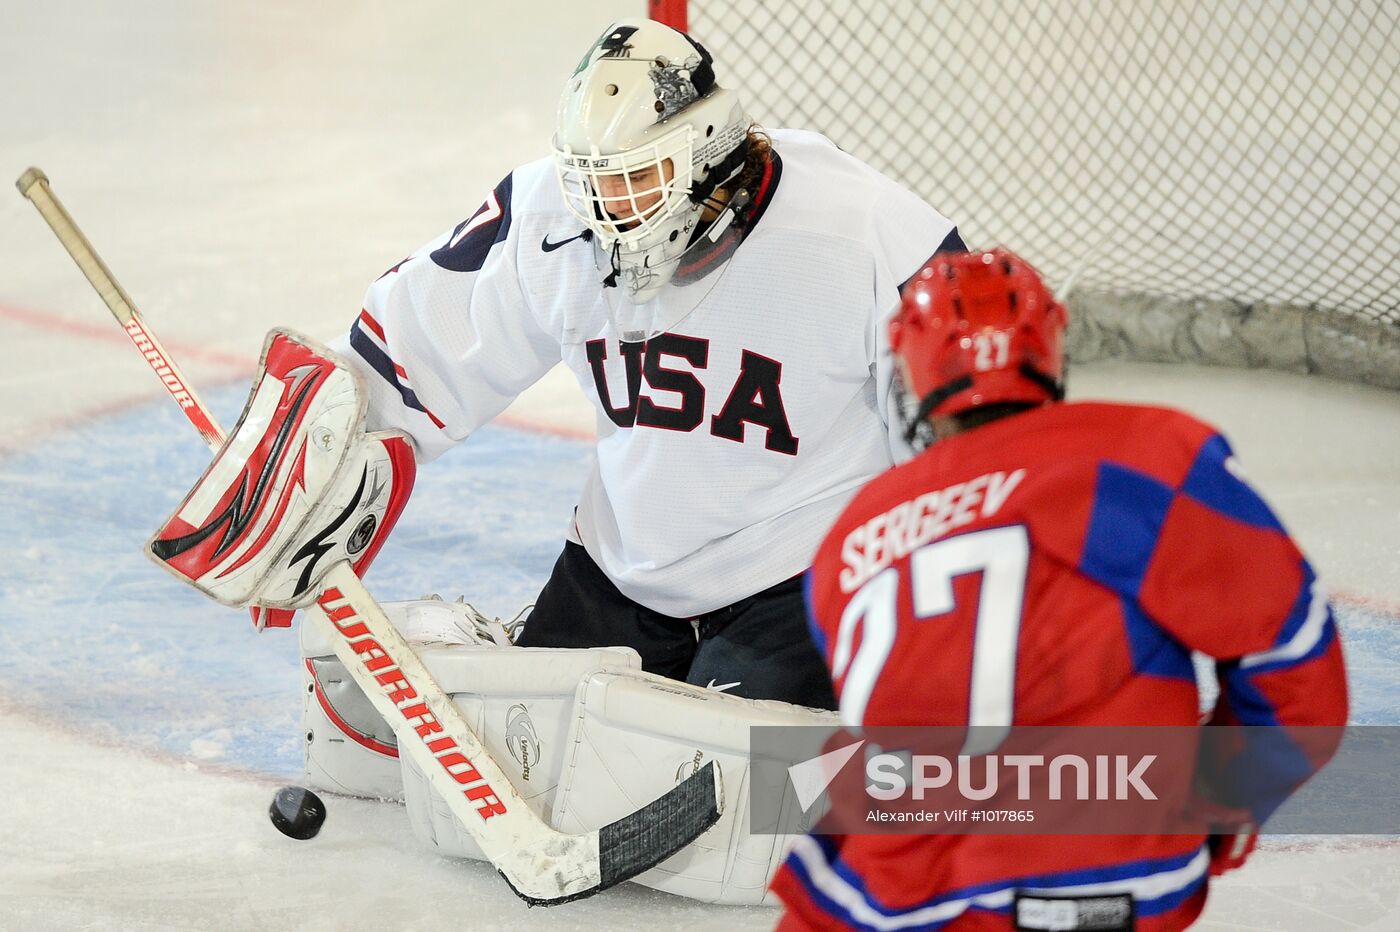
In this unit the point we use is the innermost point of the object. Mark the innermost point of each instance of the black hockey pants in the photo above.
(759, 647)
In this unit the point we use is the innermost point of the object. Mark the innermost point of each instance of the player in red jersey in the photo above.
(1046, 563)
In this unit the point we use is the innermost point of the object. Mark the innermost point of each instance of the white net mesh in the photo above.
(1223, 170)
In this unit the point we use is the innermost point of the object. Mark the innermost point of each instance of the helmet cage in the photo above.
(581, 177)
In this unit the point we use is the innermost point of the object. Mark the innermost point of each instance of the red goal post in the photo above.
(1220, 179)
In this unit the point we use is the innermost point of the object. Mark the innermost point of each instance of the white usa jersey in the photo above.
(726, 446)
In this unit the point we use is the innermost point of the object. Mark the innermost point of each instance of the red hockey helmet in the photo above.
(977, 329)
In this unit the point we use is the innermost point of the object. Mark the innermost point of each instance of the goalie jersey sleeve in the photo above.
(1141, 543)
(447, 335)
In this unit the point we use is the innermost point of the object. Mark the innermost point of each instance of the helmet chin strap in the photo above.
(615, 258)
(1056, 391)
(932, 400)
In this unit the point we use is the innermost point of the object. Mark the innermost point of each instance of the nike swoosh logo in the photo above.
(721, 688)
(547, 246)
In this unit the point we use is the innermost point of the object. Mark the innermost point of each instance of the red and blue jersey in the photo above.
(1057, 567)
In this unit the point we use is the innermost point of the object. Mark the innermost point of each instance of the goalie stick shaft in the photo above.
(34, 185)
(542, 865)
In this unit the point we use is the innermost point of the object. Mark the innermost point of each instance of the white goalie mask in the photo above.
(644, 138)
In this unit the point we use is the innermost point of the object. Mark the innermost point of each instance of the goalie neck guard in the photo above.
(297, 486)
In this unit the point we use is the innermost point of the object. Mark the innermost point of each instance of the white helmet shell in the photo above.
(644, 137)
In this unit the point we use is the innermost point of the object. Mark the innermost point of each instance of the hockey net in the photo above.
(1217, 178)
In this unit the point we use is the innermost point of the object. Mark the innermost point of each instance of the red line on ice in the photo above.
(108, 333)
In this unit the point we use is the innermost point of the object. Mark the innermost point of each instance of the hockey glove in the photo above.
(297, 487)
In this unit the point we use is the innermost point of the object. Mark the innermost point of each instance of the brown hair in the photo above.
(760, 149)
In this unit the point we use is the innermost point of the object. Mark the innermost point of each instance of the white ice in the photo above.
(243, 165)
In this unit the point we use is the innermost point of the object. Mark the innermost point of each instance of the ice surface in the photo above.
(241, 166)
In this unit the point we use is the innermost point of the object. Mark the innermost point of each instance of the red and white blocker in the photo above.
(297, 487)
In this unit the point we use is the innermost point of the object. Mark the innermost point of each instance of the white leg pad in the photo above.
(351, 749)
(635, 735)
(520, 701)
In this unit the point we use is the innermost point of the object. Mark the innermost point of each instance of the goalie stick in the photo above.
(34, 185)
(541, 865)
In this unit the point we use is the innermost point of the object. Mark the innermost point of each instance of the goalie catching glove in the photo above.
(297, 487)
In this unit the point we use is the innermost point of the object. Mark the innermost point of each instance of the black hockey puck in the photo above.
(297, 812)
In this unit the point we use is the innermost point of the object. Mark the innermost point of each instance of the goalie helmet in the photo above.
(644, 137)
(976, 329)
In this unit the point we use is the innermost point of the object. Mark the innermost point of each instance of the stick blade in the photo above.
(643, 839)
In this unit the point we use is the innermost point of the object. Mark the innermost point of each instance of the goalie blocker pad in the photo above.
(297, 486)
(630, 736)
